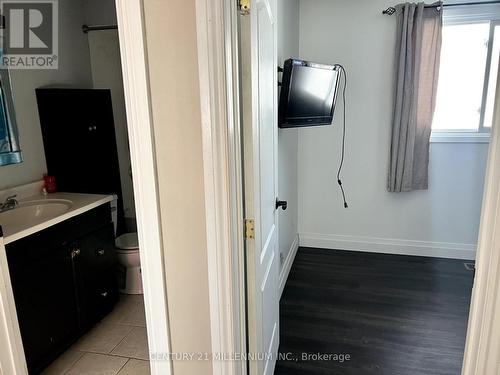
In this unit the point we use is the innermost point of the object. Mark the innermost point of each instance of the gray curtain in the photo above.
(418, 48)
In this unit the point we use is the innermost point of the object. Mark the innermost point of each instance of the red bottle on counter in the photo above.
(50, 184)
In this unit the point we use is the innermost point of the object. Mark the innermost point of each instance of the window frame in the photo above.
(466, 15)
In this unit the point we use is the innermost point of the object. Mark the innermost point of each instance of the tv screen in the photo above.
(308, 94)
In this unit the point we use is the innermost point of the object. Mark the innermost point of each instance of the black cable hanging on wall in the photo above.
(342, 152)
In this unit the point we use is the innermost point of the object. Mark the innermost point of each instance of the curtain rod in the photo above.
(391, 10)
(87, 28)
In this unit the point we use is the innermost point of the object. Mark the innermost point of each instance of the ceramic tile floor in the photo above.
(116, 346)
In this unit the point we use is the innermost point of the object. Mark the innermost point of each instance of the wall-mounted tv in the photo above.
(308, 93)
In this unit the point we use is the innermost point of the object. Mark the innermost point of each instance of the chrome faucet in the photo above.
(10, 203)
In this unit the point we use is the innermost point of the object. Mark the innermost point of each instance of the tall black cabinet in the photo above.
(79, 140)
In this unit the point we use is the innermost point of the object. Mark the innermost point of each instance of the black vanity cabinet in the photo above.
(42, 280)
(95, 276)
(63, 282)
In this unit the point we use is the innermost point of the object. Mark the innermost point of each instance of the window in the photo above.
(467, 77)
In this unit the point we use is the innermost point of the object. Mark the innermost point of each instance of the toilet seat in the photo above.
(129, 264)
(127, 242)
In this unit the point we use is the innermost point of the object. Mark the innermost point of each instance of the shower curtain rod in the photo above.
(391, 10)
(87, 28)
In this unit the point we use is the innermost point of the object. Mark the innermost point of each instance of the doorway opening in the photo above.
(380, 285)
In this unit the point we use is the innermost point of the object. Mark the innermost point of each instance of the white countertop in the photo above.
(79, 203)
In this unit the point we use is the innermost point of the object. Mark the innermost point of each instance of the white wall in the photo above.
(173, 74)
(288, 46)
(443, 220)
(74, 70)
(107, 74)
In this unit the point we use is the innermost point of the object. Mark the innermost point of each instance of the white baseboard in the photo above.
(389, 246)
(287, 265)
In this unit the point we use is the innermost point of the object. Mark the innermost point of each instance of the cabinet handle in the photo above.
(75, 253)
(100, 252)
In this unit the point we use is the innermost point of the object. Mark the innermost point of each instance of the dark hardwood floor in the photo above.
(392, 314)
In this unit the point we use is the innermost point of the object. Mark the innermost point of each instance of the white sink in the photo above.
(39, 212)
(33, 212)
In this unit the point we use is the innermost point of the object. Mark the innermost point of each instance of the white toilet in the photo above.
(127, 252)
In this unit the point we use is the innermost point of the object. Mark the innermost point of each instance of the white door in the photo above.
(260, 130)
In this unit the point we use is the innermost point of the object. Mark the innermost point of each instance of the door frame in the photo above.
(482, 348)
(217, 44)
(223, 178)
(133, 51)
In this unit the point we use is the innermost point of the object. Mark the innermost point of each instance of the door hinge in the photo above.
(244, 6)
(249, 228)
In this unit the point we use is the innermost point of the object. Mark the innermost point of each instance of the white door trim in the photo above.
(218, 74)
(482, 349)
(131, 28)
(12, 359)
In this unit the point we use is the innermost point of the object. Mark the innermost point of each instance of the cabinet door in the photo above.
(79, 141)
(43, 285)
(96, 267)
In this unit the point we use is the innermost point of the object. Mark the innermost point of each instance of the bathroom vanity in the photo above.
(62, 266)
